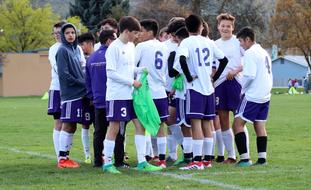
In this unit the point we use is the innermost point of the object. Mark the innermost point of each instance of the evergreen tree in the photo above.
(92, 12)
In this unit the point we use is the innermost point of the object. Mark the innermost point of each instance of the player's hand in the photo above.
(136, 84)
(230, 75)
(172, 92)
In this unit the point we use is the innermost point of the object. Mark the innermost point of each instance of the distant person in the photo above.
(289, 83)
(306, 85)
(163, 35)
(296, 84)
(254, 105)
(106, 24)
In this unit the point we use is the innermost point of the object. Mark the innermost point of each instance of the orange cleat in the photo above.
(67, 163)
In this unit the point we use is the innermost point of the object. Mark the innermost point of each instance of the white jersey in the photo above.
(257, 64)
(120, 58)
(153, 55)
(82, 60)
(200, 53)
(234, 52)
(54, 75)
(172, 46)
(97, 46)
(181, 94)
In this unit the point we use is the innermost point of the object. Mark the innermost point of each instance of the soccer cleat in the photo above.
(110, 168)
(146, 167)
(123, 165)
(207, 164)
(161, 163)
(220, 159)
(229, 161)
(88, 160)
(170, 159)
(155, 159)
(193, 166)
(260, 163)
(67, 163)
(244, 163)
(179, 161)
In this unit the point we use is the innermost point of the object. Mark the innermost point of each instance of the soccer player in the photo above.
(256, 90)
(152, 54)
(120, 68)
(228, 87)
(106, 24)
(86, 42)
(163, 35)
(196, 56)
(72, 88)
(54, 91)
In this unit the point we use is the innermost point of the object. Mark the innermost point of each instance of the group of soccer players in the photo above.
(196, 112)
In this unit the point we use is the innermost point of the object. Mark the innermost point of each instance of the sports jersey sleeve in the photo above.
(52, 59)
(183, 49)
(88, 82)
(250, 67)
(218, 54)
(138, 53)
(82, 58)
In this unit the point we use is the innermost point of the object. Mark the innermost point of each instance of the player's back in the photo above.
(153, 55)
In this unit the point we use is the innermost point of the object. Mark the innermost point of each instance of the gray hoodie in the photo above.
(71, 77)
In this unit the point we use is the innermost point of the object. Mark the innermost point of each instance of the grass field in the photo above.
(27, 159)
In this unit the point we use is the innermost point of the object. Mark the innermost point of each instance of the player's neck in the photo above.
(123, 38)
(194, 33)
(225, 38)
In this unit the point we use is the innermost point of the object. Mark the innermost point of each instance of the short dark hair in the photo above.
(182, 33)
(205, 31)
(163, 30)
(111, 21)
(59, 24)
(129, 23)
(150, 25)
(246, 32)
(86, 37)
(193, 23)
(107, 34)
(175, 25)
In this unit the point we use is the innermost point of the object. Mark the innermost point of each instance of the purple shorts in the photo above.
(88, 112)
(120, 110)
(228, 95)
(251, 111)
(72, 111)
(199, 106)
(181, 113)
(171, 100)
(54, 107)
(162, 107)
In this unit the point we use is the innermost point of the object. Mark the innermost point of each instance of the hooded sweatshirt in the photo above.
(68, 61)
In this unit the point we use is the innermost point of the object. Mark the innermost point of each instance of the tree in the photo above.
(290, 26)
(92, 12)
(24, 28)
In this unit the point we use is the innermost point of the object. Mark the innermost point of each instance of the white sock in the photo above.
(64, 141)
(108, 151)
(247, 138)
(172, 147)
(56, 141)
(149, 150)
(197, 146)
(154, 146)
(214, 143)
(140, 143)
(85, 137)
(161, 142)
(208, 146)
(262, 155)
(227, 137)
(177, 133)
(70, 141)
(187, 144)
(220, 143)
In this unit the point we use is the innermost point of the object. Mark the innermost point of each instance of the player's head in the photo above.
(108, 24)
(129, 28)
(57, 30)
(163, 35)
(69, 34)
(149, 29)
(86, 41)
(174, 26)
(181, 34)
(205, 31)
(246, 37)
(194, 24)
(106, 37)
(225, 25)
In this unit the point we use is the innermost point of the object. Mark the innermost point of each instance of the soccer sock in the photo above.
(64, 144)
(262, 148)
(149, 151)
(85, 137)
(240, 140)
(56, 141)
(187, 148)
(227, 137)
(140, 143)
(161, 142)
(197, 146)
(247, 137)
(154, 146)
(220, 143)
(108, 151)
(177, 133)
(172, 147)
(214, 143)
(207, 148)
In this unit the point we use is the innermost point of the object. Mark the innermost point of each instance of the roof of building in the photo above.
(298, 59)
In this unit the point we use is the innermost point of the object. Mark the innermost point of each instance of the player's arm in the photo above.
(185, 69)
(88, 81)
(222, 65)
(170, 61)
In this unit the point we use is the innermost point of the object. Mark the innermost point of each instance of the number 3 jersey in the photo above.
(200, 53)
(153, 55)
(257, 65)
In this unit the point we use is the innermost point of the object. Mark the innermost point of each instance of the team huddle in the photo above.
(194, 82)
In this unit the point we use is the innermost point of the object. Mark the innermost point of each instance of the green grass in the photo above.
(26, 130)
